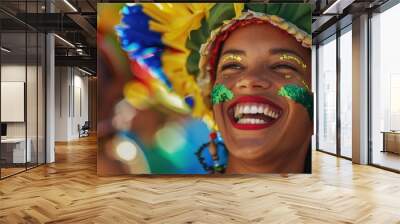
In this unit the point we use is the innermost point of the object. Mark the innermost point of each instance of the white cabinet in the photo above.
(17, 147)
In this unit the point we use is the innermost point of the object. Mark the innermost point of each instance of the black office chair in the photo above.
(84, 130)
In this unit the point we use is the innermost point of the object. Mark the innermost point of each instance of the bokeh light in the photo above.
(171, 137)
(126, 150)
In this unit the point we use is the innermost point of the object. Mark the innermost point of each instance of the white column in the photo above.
(50, 92)
(360, 90)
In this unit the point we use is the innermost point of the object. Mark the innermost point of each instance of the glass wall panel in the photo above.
(327, 96)
(385, 89)
(13, 105)
(41, 98)
(31, 97)
(32, 86)
(346, 93)
(22, 88)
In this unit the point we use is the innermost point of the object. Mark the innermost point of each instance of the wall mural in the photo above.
(204, 88)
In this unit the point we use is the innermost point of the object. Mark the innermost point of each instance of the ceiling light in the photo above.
(70, 5)
(5, 50)
(329, 9)
(64, 40)
(84, 71)
(337, 7)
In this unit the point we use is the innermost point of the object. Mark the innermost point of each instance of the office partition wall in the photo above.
(22, 78)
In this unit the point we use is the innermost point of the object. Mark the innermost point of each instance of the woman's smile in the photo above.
(253, 112)
(263, 131)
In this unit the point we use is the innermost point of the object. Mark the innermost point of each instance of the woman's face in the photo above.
(258, 123)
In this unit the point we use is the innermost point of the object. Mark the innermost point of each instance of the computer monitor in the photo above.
(3, 129)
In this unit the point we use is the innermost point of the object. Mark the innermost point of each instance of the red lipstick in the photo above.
(268, 121)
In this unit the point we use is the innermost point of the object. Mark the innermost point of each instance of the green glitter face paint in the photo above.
(220, 94)
(299, 95)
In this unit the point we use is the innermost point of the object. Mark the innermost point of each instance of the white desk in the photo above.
(18, 149)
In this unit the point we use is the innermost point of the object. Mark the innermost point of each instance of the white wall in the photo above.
(71, 102)
(33, 127)
(15, 73)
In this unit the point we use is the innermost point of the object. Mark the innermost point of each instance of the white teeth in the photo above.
(242, 121)
(246, 109)
(250, 121)
(241, 108)
(260, 109)
(236, 114)
(253, 109)
(266, 109)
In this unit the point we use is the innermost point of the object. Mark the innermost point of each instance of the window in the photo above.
(385, 89)
(346, 93)
(327, 96)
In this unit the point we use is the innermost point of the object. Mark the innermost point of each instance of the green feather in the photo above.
(220, 13)
(192, 63)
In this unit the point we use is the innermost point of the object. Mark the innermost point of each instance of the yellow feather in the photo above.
(175, 22)
(238, 8)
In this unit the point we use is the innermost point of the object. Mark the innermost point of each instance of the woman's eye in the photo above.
(285, 67)
(231, 66)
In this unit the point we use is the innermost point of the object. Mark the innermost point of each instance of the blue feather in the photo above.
(141, 43)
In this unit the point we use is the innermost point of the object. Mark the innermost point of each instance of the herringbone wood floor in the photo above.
(70, 192)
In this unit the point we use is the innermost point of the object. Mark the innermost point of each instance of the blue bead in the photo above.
(190, 101)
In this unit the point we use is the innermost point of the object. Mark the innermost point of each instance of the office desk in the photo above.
(391, 141)
(13, 150)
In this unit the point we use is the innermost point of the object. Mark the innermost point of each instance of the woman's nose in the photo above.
(253, 81)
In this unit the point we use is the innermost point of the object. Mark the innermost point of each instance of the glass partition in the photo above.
(32, 96)
(41, 91)
(22, 77)
(385, 89)
(327, 96)
(346, 93)
(14, 145)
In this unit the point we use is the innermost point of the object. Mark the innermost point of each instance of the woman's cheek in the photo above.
(300, 95)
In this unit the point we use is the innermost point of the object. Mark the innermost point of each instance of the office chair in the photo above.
(84, 130)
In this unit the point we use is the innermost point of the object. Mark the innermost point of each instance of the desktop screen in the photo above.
(3, 129)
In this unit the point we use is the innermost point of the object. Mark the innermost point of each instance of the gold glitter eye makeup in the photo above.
(287, 57)
(305, 85)
(232, 57)
(288, 76)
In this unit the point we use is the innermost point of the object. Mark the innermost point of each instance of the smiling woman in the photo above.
(244, 69)
(261, 124)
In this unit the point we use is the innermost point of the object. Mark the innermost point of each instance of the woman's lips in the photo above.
(253, 113)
